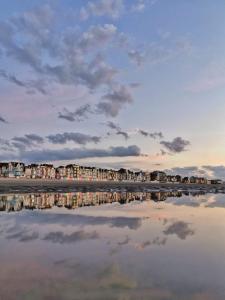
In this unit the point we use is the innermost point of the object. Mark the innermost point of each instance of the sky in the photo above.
(138, 84)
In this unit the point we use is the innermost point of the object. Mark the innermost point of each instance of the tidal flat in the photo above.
(21, 185)
(112, 245)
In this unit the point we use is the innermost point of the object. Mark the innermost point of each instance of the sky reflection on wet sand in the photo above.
(170, 249)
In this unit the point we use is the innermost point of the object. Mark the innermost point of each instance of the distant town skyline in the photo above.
(45, 171)
(134, 84)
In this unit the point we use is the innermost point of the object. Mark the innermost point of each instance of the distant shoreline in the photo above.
(22, 185)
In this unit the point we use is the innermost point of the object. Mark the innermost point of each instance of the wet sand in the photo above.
(11, 185)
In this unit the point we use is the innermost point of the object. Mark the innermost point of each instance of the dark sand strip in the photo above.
(40, 185)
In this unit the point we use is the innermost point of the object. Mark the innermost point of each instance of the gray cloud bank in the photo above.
(44, 155)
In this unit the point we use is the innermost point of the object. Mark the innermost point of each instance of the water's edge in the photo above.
(37, 185)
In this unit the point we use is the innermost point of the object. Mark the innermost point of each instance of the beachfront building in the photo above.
(73, 171)
(198, 180)
(12, 169)
(4, 169)
(61, 172)
(141, 176)
(47, 171)
(178, 178)
(159, 176)
(174, 178)
(216, 181)
(43, 171)
(171, 178)
(30, 171)
(122, 174)
(186, 180)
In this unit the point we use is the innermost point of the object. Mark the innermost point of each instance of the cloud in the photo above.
(140, 5)
(153, 135)
(76, 153)
(113, 125)
(82, 66)
(189, 202)
(5, 145)
(12, 78)
(34, 138)
(184, 171)
(216, 171)
(78, 115)
(3, 120)
(81, 220)
(59, 237)
(137, 57)
(73, 58)
(180, 229)
(110, 8)
(28, 140)
(218, 202)
(160, 51)
(76, 137)
(118, 94)
(117, 98)
(118, 130)
(213, 172)
(23, 236)
(162, 153)
(157, 241)
(36, 26)
(211, 77)
(135, 85)
(124, 134)
(124, 242)
(31, 85)
(177, 145)
(97, 35)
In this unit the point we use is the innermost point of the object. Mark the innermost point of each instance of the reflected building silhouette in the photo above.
(17, 202)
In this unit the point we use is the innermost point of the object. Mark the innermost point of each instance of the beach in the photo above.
(21, 185)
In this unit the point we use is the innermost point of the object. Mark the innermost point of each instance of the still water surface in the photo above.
(114, 245)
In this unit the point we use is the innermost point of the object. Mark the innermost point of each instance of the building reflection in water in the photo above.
(17, 202)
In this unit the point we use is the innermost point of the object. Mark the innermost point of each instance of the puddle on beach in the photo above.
(112, 246)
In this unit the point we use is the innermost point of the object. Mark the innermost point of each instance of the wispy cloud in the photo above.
(211, 77)
(153, 135)
(76, 137)
(59, 237)
(110, 8)
(78, 115)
